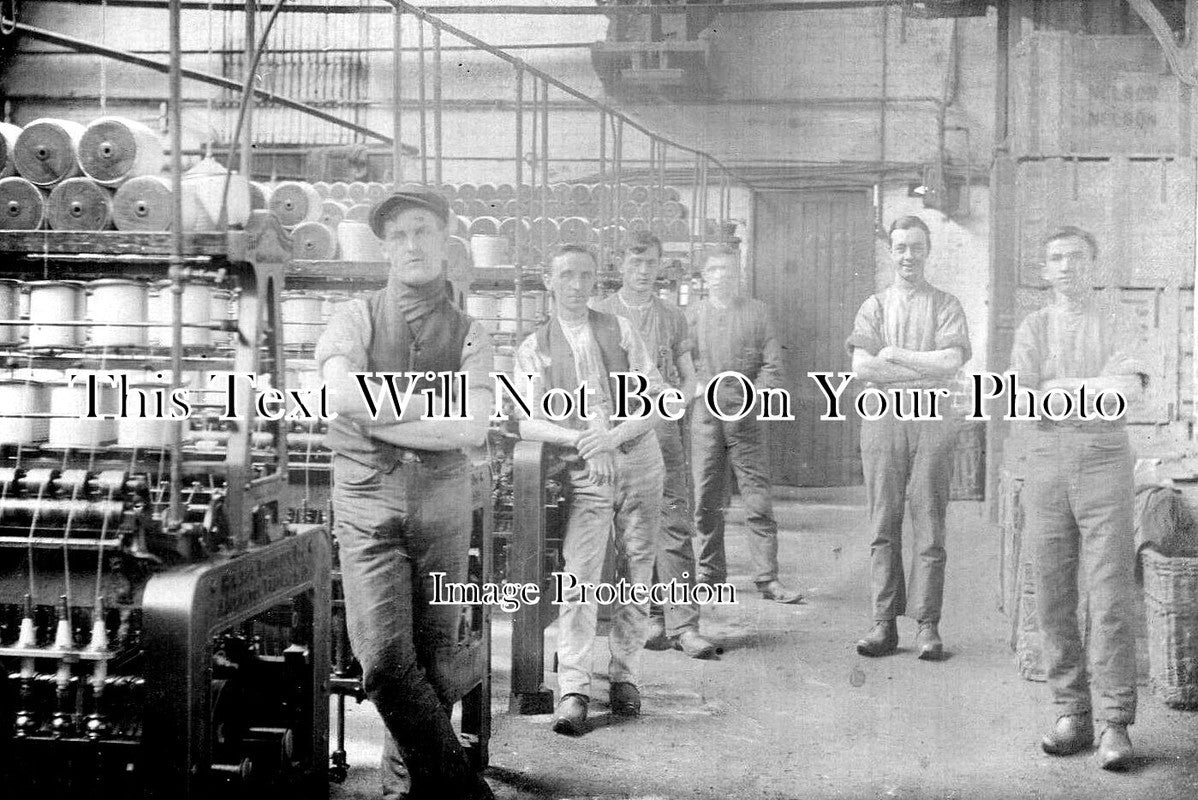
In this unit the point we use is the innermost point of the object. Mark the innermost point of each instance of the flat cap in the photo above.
(408, 197)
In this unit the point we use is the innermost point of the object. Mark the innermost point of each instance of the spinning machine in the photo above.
(163, 630)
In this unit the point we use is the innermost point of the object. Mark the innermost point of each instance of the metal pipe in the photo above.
(541, 10)
(544, 164)
(247, 133)
(519, 183)
(437, 142)
(618, 178)
(603, 181)
(175, 83)
(396, 88)
(84, 46)
(423, 105)
(565, 87)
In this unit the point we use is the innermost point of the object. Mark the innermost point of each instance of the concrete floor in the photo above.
(791, 711)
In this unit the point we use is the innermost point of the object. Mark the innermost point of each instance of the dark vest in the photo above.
(437, 348)
(563, 373)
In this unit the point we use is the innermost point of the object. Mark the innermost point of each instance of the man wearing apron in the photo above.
(663, 327)
(1078, 499)
(613, 481)
(733, 333)
(912, 337)
(400, 492)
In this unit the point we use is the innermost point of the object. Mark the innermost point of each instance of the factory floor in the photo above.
(791, 711)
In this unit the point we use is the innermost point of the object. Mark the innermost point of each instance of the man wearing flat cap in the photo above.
(399, 485)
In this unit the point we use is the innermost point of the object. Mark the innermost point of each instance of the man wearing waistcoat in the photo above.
(614, 475)
(400, 489)
(663, 327)
(733, 333)
(910, 336)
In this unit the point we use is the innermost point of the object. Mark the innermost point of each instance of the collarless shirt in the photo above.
(663, 327)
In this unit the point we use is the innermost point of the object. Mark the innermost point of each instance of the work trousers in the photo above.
(907, 461)
(626, 514)
(675, 551)
(392, 530)
(1078, 500)
(715, 443)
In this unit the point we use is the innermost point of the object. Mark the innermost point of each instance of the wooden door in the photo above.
(814, 265)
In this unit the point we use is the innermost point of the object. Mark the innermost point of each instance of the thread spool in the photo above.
(294, 202)
(545, 229)
(639, 194)
(489, 251)
(69, 404)
(672, 210)
(22, 205)
(357, 192)
(339, 190)
(222, 299)
(203, 193)
(359, 212)
(375, 192)
(508, 312)
(358, 242)
(505, 360)
(115, 149)
(322, 188)
(331, 213)
(575, 230)
(45, 152)
(467, 192)
(144, 432)
(197, 310)
(487, 192)
(142, 204)
(79, 204)
(505, 192)
(10, 309)
(560, 192)
(22, 396)
(8, 143)
(485, 309)
(458, 255)
(511, 225)
(55, 301)
(260, 195)
(484, 226)
(301, 318)
(580, 194)
(313, 241)
(117, 300)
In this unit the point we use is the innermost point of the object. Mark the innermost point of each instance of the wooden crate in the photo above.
(1140, 211)
(1075, 94)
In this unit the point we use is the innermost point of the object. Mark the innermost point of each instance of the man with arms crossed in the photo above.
(1078, 498)
(664, 330)
(614, 476)
(399, 492)
(733, 333)
(911, 336)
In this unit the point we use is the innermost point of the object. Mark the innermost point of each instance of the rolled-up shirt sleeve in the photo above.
(347, 334)
(952, 329)
(867, 328)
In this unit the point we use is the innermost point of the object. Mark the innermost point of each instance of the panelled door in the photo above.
(814, 266)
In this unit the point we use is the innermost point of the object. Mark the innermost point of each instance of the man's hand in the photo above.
(594, 442)
(602, 468)
(889, 353)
